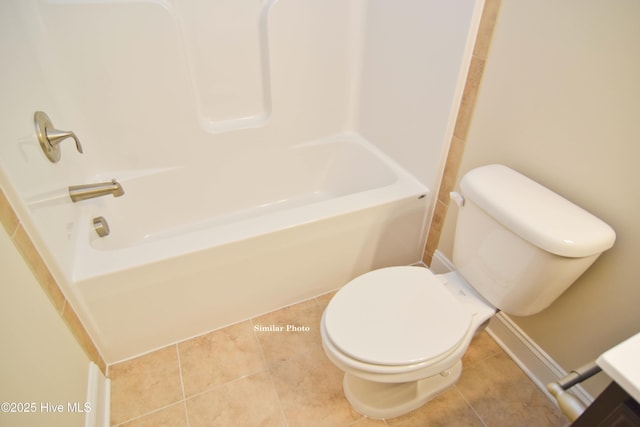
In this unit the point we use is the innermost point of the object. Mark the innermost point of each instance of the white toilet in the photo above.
(399, 333)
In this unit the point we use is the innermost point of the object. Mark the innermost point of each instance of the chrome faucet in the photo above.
(50, 138)
(89, 191)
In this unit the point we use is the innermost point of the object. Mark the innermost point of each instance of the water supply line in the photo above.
(570, 405)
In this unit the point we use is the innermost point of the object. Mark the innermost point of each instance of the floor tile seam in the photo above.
(258, 343)
(219, 387)
(225, 384)
(146, 414)
(180, 372)
(275, 390)
(268, 365)
(186, 412)
(168, 404)
(317, 298)
(525, 377)
(475, 412)
(184, 397)
(480, 360)
(164, 347)
(265, 362)
(263, 368)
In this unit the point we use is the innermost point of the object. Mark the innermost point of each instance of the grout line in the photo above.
(470, 406)
(268, 370)
(218, 386)
(186, 412)
(484, 358)
(137, 417)
(184, 396)
(182, 401)
(255, 336)
(275, 390)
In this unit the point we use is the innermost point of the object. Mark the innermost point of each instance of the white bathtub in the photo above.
(196, 248)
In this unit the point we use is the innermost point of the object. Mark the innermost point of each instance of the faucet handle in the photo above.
(49, 137)
(56, 136)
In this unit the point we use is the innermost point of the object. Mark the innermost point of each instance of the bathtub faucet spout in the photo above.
(89, 191)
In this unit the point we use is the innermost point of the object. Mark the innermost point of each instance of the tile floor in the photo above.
(238, 376)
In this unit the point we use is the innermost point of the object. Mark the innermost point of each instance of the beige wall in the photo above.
(40, 362)
(560, 102)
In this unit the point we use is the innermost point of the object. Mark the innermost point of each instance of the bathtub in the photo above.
(192, 249)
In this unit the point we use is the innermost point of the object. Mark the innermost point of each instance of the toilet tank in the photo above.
(519, 244)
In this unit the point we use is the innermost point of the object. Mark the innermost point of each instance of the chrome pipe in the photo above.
(578, 375)
(570, 405)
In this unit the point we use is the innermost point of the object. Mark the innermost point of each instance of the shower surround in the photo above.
(269, 150)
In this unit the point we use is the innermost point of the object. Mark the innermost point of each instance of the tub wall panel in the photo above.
(410, 88)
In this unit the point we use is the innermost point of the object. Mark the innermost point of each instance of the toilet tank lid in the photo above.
(535, 213)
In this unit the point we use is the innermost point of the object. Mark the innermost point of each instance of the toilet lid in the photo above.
(396, 316)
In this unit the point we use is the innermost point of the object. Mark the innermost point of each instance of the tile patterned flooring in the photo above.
(239, 376)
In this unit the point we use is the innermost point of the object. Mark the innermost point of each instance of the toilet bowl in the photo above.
(399, 333)
(405, 343)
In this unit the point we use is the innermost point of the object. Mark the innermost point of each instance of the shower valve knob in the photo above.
(49, 137)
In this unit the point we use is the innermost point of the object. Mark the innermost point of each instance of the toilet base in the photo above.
(387, 400)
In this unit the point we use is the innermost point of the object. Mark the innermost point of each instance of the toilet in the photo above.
(399, 333)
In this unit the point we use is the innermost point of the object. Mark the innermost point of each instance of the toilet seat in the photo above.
(396, 316)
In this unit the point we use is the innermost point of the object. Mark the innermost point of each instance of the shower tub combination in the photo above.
(192, 249)
(254, 144)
